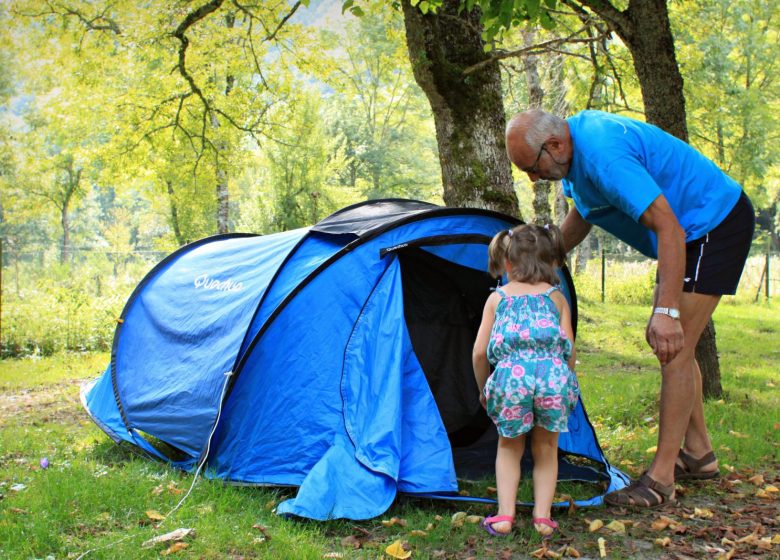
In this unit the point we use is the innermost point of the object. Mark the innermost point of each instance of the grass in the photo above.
(95, 494)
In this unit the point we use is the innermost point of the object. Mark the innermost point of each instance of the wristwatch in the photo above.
(671, 311)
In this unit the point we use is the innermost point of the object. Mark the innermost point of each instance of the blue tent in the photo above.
(335, 358)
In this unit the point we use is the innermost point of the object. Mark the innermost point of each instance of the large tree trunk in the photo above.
(644, 28)
(468, 112)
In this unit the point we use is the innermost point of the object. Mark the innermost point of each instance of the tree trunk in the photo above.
(644, 28)
(468, 112)
(174, 215)
(65, 223)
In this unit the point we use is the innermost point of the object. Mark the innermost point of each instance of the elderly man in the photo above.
(661, 196)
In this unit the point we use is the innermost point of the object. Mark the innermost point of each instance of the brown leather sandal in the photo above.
(642, 493)
(691, 469)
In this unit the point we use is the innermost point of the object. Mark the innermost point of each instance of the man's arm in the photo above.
(574, 229)
(664, 334)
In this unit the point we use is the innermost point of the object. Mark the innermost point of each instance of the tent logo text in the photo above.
(203, 281)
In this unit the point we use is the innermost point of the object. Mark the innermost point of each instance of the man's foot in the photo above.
(689, 468)
(642, 493)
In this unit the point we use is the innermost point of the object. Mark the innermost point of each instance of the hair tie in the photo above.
(509, 232)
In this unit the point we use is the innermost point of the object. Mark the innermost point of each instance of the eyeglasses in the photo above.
(534, 169)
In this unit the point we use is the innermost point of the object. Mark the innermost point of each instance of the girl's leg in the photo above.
(544, 446)
(508, 456)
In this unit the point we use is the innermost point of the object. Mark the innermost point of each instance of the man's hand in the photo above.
(665, 337)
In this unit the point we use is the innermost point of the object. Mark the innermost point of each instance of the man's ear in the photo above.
(554, 143)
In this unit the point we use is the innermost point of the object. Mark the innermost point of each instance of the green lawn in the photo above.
(96, 495)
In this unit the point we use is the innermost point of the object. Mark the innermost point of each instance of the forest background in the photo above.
(129, 130)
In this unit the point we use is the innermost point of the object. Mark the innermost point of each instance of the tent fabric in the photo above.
(337, 358)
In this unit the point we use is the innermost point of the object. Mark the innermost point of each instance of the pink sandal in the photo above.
(547, 522)
(487, 524)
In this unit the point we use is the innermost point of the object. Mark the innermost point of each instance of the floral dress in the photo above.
(531, 384)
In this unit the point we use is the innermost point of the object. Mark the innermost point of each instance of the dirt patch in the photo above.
(58, 404)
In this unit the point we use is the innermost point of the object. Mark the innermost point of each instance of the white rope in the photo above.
(201, 462)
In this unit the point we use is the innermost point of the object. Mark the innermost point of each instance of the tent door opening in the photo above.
(443, 303)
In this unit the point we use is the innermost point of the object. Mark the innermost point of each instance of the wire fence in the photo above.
(614, 272)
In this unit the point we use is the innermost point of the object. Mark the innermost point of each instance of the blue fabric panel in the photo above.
(97, 396)
(472, 255)
(315, 250)
(339, 487)
(389, 411)
(285, 408)
(426, 460)
(183, 331)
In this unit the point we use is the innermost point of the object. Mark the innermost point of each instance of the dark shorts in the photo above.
(714, 262)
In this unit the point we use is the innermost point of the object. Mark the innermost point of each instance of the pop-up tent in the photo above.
(336, 358)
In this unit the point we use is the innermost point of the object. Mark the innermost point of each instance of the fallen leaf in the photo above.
(595, 525)
(174, 548)
(397, 550)
(154, 515)
(738, 434)
(617, 527)
(664, 542)
(474, 519)
(702, 513)
(458, 519)
(602, 547)
(173, 490)
(263, 530)
(351, 541)
(418, 533)
(157, 490)
(776, 539)
(764, 543)
(727, 556)
(333, 555)
(572, 552)
(491, 490)
(757, 480)
(395, 521)
(661, 523)
(429, 527)
(771, 489)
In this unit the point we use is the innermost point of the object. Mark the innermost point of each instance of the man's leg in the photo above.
(681, 411)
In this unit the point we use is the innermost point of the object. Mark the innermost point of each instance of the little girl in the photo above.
(526, 334)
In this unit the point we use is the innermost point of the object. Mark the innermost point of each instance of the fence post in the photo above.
(603, 276)
(766, 276)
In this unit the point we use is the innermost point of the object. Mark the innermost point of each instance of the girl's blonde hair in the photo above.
(534, 252)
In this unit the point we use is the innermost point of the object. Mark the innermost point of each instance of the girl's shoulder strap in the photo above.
(500, 292)
(550, 290)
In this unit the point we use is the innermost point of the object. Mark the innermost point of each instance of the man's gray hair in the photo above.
(540, 126)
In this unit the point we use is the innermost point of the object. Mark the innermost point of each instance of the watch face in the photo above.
(674, 313)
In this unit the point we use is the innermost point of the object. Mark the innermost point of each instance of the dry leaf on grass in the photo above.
(595, 525)
(663, 542)
(418, 533)
(602, 547)
(756, 480)
(702, 513)
(394, 521)
(263, 530)
(617, 527)
(397, 550)
(473, 519)
(154, 515)
(174, 548)
(458, 519)
(333, 555)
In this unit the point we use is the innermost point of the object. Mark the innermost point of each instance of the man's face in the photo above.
(547, 162)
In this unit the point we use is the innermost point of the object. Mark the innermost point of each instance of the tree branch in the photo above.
(530, 50)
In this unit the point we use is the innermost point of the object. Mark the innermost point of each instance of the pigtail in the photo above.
(559, 248)
(497, 253)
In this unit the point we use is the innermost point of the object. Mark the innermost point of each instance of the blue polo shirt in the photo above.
(620, 166)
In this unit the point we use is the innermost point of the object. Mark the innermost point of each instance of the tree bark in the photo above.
(468, 111)
(174, 214)
(644, 28)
